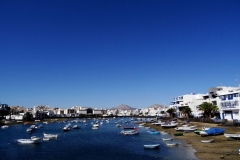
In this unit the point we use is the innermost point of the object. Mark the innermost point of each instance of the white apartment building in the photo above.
(188, 100)
(228, 103)
(226, 98)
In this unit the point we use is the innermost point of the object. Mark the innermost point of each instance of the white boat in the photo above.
(76, 127)
(167, 139)
(207, 141)
(234, 136)
(5, 126)
(164, 132)
(29, 130)
(151, 146)
(45, 139)
(66, 128)
(28, 141)
(50, 135)
(171, 143)
(205, 128)
(130, 132)
(118, 125)
(169, 125)
(94, 127)
(35, 138)
(186, 128)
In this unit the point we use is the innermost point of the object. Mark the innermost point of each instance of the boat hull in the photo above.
(151, 146)
(28, 141)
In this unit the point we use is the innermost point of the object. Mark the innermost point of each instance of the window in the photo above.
(230, 96)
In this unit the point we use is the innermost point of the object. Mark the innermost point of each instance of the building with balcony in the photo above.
(228, 103)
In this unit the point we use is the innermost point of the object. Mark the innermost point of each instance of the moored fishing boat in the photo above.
(50, 135)
(94, 127)
(151, 146)
(178, 134)
(169, 125)
(129, 127)
(66, 128)
(29, 141)
(130, 132)
(167, 139)
(45, 139)
(29, 130)
(207, 141)
(154, 132)
(171, 143)
(76, 127)
(5, 126)
(35, 138)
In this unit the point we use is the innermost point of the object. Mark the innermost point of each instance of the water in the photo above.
(106, 143)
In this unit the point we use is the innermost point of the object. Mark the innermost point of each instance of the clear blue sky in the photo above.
(104, 53)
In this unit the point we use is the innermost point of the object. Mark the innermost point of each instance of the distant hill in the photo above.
(157, 106)
(123, 107)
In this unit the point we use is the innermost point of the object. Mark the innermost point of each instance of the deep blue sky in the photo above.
(104, 53)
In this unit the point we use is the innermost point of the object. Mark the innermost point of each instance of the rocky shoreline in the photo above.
(221, 148)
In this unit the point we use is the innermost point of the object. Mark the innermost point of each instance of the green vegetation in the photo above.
(207, 108)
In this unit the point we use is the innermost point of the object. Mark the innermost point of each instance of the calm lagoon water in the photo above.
(106, 143)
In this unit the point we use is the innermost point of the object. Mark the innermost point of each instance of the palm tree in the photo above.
(207, 108)
(170, 111)
(186, 111)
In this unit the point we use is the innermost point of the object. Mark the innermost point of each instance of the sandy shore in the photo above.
(221, 148)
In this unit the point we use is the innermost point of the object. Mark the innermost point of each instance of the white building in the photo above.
(228, 103)
(188, 100)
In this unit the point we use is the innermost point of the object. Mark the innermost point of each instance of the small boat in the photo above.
(151, 146)
(29, 130)
(125, 127)
(207, 141)
(50, 135)
(186, 129)
(171, 143)
(197, 131)
(154, 132)
(118, 125)
(66, 128)
(75, 127)
(35, 138)
(212, 131)
(94, 127)
(167, 139)
(234, 136)
(169, 125)
(5, 126)
(131, 132)
(164, 132)
(28, 141)
(178, 134)
(45, 139)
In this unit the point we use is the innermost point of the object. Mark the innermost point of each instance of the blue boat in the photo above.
(154, 132)
(212, 131)
(215, 131)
